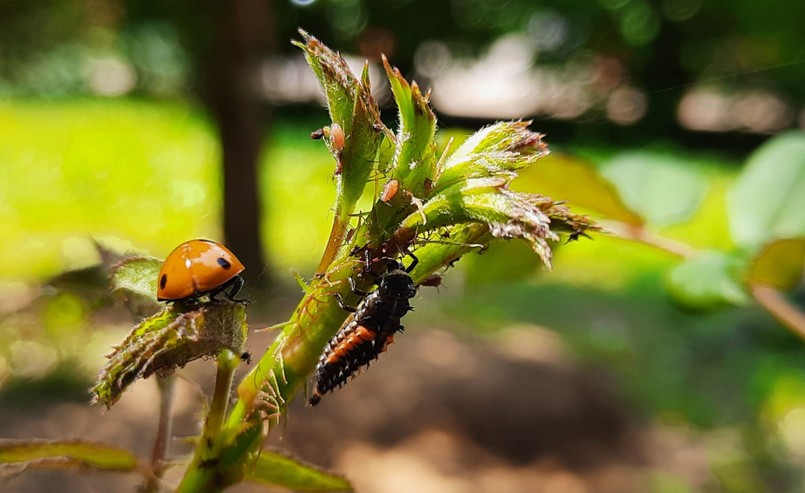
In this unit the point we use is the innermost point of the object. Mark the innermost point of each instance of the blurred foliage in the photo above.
(119, 46)
(60, 161)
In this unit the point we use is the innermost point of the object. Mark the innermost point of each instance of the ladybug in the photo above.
(199, 268)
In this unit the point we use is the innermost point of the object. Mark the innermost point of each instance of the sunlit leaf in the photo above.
(568, 178)
(779, 264)
(353, 108)
(169, 340)
(134, 279)
(69, 453)
(448, 246)
(506, 214)
(277, 468)
(499, 150)
(415, 155)
(707, 280)
(658, 187)
(767, 200)
(137, 275)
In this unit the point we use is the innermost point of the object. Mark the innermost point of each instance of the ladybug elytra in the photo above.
(199, 268)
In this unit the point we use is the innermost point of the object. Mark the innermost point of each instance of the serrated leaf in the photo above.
(767, 201)
(578, 182)
(278, 468)
(707, 281)
(68, 453)
(660, 188)
(779, 264)
(335, 76)
(169, 340)
(352, 107)
(498, 150)
(415, 154)
(506, 214)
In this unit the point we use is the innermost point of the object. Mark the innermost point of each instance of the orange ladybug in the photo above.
(199, 268)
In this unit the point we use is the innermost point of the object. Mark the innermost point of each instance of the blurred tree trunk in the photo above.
(665, 79)
(244, 34)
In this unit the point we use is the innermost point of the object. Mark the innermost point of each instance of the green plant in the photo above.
(441, 205)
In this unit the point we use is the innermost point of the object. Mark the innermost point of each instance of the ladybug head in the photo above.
(397, 284)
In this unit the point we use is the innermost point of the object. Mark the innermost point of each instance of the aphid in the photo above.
(362, 340)
(337, 137)
(317, 134)
(199, 268)
(389, 190)
(433, 280)
(428, 186)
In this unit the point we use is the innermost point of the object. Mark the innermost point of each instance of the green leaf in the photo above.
(445, 247)
(67, 453)
(415, 155)
(498, 150)
(169, 340)
(339, 83)
(779, 264)
(568, 178)
(707, 280)
(354, 109)
(278, 468)
(137, 276)
(506, 214)
(767, 200)
(660, 188)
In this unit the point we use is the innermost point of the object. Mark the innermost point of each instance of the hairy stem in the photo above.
(202, 474)
(160, 451)
(337, 234)
(282, 370)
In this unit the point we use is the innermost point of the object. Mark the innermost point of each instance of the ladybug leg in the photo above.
(367, 269)
(237, 284)
(355, 289)
(414, 261)
(344, 306)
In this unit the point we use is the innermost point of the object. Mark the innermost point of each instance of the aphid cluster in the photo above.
(376, 320)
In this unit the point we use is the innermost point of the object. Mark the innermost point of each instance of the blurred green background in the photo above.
(140, 125)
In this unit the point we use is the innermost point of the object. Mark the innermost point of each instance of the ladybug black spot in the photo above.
(223, 263)
(163, 281)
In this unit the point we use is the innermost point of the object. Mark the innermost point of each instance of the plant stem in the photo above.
(780, 308)
(160, 451)
(640, 234)
(337, 234)
(203, 474)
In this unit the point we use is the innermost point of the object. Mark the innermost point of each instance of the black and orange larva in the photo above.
(362, 340)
